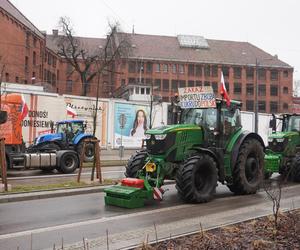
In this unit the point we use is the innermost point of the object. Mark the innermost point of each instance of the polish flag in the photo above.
(223, 90)
(24, 110)
(71, 112)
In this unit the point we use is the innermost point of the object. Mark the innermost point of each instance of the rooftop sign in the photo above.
(197, 97)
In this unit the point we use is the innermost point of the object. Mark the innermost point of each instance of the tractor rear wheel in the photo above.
(248, 171)
(135, 163)
(295, 171)
(89, 152)
(196, 179)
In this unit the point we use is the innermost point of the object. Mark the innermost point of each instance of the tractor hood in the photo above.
(171, 128)
(279, 135)
(48, 137)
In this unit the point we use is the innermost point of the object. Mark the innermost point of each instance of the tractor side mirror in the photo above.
(3, 116)
(272, 124)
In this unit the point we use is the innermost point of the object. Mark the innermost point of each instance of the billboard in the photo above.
(130, 123)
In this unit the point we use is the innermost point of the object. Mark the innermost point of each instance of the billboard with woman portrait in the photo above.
(130, 123)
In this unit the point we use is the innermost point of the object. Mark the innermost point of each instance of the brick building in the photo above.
(165, 63)
(158, 64)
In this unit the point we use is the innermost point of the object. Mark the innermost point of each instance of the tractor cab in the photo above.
(70, 129)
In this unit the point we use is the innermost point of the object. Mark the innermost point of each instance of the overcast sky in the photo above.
(272, 25)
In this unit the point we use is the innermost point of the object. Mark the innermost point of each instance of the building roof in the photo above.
(13, 11)
(218, 52)
(90, 44)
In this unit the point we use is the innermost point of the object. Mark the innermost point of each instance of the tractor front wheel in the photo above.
(135, 163)
(196, 179)
(89, 152)
(248, 171)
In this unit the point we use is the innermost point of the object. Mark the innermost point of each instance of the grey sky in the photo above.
(272, 25)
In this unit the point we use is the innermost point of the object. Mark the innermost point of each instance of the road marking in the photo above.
(89, 222)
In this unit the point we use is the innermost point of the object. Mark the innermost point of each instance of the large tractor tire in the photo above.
(248, 172)
(295, 169)
(89, 152)
(196, 179)
(135, 163)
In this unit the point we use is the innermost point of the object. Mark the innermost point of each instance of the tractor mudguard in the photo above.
(239, 141)
(217, 158)
(80, 137)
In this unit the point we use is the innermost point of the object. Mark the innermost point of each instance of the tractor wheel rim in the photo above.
(251, 169)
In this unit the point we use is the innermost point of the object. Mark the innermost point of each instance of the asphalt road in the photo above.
(47, 221)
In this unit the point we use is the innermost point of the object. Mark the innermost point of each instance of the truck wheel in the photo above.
(135, 163)
(196, 179)
(248, 171)
(295, 171)
(68, 162)
(89, 152)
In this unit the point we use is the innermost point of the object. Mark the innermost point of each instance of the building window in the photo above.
(273, 107)
(34, 58)
(142, 91)
(182, 84)
(250, 73)
(34, 41)
(33, 77)
(215, 87)
(137, 90)
(147, 91)
(17, 79)
(274, 75)
(123, 82)
(157, 84)
(27, 39)
(285, 90)
(214, 71)
(174, 68)
(198, 70)
(285, 73)
(165, 68)
(46, 57)
(191, 70)
(132, 67)
(207, 70)
(157, 67)
(261, 106)
(237, 72)
(87, 87)
(149, 67)
(237, 89)
(131, 80)
(69, 85)
(225, 71)
(174, 86)
(261, 90)
(49, 59)
(26, 63)
(249, 89)
(198, 83)
(181, 68)
(227, 86)
(285, 106)
(191, 83)
(249, 105)
(206, 83)
(7, 77)
(261, 74)
(166, 84)
(274, 90)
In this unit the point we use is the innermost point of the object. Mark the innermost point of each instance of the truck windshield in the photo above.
(201, 117)
(293, 123)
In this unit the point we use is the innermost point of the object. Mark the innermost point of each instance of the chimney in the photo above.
(55, 32)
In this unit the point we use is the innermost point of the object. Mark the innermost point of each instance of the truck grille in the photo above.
(158, 147)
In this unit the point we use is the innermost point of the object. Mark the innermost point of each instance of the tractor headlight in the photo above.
(270, 139)
(280, 139)
(160, 137)
(147, 136)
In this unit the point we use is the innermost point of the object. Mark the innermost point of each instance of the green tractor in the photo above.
(283, 152)
(208, 145)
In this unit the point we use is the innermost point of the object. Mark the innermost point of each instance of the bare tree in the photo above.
(92, 62)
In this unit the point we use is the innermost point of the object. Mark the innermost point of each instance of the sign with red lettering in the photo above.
(197, 97)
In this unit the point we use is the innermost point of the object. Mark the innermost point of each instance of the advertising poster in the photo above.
(131, 122)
